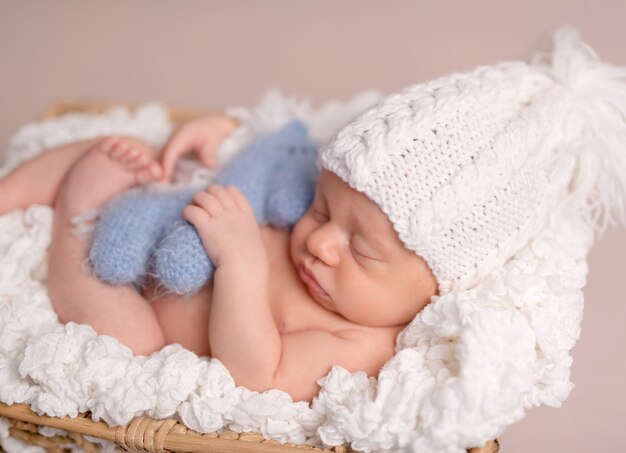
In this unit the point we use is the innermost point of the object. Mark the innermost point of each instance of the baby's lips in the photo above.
(311, 281)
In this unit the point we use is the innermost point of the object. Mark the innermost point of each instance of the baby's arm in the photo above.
(202, 135)
(242, 331)
(308, 355)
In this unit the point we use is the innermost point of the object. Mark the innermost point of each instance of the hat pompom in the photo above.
(598, 95)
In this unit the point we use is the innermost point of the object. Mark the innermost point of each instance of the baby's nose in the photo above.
(325, 244)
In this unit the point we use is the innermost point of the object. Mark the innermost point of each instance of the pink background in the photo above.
(211, 54)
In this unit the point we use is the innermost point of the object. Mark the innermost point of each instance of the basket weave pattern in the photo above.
(141, 434)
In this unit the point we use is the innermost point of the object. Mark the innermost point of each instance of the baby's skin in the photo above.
(283, 306)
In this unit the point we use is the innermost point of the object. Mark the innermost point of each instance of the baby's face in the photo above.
(363, 271)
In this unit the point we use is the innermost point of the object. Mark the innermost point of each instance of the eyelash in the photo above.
(357, 252)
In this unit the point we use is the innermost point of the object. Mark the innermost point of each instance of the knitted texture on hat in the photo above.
(142, 233)
(468, 167)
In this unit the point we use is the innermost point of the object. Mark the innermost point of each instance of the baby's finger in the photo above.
(210, 203)
(177, 145)
(240, 199)
(207, 153)
(195, 215)
(225, 197)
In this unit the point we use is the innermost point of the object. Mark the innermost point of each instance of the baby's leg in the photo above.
(37, 180)
(184, 321)
(75, 294)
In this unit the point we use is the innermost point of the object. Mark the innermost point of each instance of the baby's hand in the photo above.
(202, 135)
(226, 225)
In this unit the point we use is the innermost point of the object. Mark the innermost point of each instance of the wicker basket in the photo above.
(143, 434)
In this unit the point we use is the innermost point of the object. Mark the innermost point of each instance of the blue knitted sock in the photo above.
(128, 230)
(180, 260)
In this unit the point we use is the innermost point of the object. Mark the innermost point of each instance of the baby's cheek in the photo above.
(355, 285)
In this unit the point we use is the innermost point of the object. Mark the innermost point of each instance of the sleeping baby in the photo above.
(283, 307)
(427, 193)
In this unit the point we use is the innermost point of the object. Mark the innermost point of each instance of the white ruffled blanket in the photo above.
(468, 365)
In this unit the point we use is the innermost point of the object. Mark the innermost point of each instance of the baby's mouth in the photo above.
(309, 279)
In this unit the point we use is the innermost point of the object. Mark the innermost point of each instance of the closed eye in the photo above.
(355, 250)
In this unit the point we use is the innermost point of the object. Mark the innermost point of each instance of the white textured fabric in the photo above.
(469, 364)
(469, 166)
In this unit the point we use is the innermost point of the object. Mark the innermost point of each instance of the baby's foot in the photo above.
(111, 166)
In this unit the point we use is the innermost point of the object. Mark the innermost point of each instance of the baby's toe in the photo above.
(108, 144)
(149, 173)
(142, 159)
(155, 170)
(138, 161)
(119, 151)
(130, 156)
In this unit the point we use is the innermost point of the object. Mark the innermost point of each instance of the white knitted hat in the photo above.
(469, 167)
